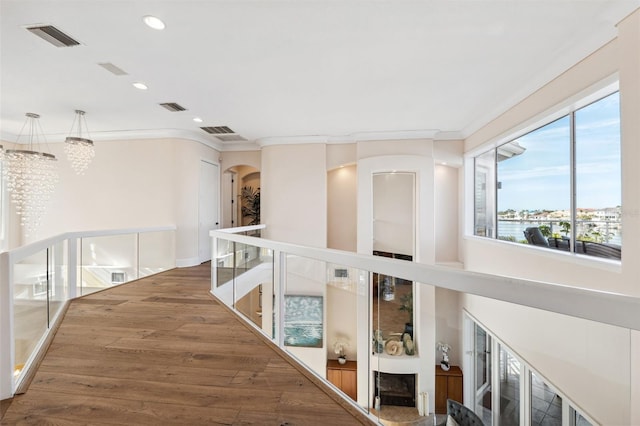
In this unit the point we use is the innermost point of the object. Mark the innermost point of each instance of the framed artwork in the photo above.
(303, 321)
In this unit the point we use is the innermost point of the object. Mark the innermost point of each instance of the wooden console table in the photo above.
(344, 376)
(448, 386)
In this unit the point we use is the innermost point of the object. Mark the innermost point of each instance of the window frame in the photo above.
(569, 108)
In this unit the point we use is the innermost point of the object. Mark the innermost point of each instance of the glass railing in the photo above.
(593, 237)
(369, 326)
(37, 280)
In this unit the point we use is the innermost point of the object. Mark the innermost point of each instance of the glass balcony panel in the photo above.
(108, 261)
(156, 252)
(58, 273)
(253, 286)
(29, 307)
(304, 312)
(224, 270)
(510, 369)
(325, 306)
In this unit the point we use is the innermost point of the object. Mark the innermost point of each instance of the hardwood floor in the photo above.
(162, 351)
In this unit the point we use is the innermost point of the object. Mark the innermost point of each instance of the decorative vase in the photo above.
(342, 360)
(409, 346)
(408, 328)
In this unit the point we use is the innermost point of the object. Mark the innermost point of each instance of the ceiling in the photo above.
(291, 70)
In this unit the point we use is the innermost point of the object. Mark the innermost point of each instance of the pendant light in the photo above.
(31, 174)
(80, 151)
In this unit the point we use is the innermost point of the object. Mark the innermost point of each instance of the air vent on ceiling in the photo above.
(218, 130)
(112, 68)
(173, 107)
(230, 138)
(53, 35)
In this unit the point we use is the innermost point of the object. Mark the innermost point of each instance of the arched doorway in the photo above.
(240, 186)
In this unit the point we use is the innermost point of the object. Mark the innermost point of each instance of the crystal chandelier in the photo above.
(80, 151)
(31, 176)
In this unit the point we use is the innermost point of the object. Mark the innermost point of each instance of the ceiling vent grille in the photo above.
(218, 130)
(230, 138)
(173, 107)
(53, 35)
(112, 68)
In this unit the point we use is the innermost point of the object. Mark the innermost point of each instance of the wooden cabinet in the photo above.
(448, 386)
(344, 376)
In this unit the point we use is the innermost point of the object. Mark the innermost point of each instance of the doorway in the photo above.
(208, 209)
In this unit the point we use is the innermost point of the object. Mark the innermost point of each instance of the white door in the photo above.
(208, 210)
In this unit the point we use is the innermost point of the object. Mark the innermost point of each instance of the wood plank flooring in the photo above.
(162, 351)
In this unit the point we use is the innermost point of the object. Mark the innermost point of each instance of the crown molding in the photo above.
(258, 143)
(131, 135)
(349, 138)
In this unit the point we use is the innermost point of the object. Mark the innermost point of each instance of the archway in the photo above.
(234, 179)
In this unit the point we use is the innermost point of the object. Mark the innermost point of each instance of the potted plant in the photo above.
(250, 200)
(339, 348)
(406, 304)
(444, 348)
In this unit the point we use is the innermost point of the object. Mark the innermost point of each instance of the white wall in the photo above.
(342, 320)
(294, 194)
(128, 184)
(236, 158)
(339, 155)
(448, 324)
(446, 214)
(342, 224)
(133, 183)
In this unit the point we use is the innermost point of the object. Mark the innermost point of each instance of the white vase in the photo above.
(342, 360)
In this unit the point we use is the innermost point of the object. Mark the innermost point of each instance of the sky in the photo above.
(540, 177)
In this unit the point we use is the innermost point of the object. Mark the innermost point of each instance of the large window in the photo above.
(557, 187)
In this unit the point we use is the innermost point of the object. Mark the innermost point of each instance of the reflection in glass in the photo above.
(598, 178)
(58, 286)
(510, 369)
(155, 252)
(546, 405)
(579, 420)
(108, 261)
(482, 343)
(29, 306)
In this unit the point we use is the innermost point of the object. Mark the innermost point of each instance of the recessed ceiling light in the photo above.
(140, 86)
(153, 22)
(197, 119)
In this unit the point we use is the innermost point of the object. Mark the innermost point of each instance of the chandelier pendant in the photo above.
(31, 177)
(80, 151)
